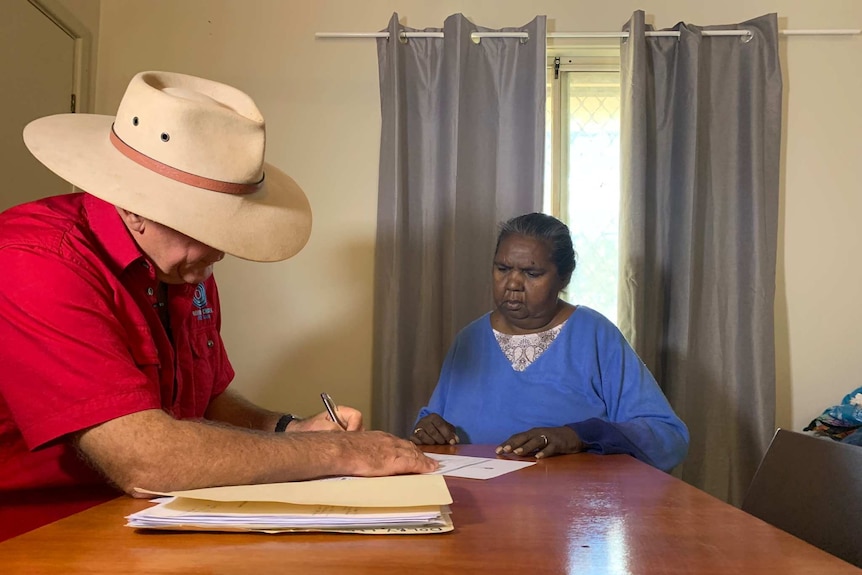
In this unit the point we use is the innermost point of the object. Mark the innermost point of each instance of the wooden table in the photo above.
(584, 514)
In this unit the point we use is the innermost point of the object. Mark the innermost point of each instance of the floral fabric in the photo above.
(522, 350)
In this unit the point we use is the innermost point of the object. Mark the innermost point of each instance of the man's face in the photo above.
(178, 258)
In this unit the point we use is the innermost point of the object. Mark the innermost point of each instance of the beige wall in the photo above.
(299, 327)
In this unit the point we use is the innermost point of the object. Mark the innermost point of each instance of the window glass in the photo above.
(582, 178)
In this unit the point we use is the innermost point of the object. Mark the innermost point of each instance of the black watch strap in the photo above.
(283, 421)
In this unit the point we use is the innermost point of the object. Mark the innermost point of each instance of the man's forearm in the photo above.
(232, 408)
(153, 451)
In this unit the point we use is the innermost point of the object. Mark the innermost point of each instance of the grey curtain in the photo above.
(701, 131)
(462, 147)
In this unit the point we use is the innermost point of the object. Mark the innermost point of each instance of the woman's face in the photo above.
(526, 283)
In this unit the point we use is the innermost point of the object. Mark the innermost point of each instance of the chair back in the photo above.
(811, 487)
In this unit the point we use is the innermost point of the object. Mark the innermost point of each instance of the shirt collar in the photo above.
(109, 229)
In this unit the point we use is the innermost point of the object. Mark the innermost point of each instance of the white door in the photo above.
(37, 76)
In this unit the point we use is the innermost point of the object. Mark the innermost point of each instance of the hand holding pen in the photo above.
(332, 410)
(333, 418)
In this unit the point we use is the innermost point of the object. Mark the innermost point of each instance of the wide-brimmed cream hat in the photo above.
(187, 153)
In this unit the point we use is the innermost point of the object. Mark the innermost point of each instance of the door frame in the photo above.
(83, 46)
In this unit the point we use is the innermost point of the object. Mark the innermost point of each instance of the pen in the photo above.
(330, 408)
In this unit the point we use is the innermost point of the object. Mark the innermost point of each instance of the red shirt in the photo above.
(81, 341)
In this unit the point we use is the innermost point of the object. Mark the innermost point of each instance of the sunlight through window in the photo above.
(582, 172)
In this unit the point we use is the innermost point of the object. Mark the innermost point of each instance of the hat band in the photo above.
(179, 175)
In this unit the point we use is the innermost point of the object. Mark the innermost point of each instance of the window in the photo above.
(582, 167)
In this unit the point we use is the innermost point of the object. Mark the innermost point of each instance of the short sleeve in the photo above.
(66, 356)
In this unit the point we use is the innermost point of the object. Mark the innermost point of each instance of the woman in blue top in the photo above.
(539, 375)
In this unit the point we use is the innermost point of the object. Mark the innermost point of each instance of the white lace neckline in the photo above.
(524, 349)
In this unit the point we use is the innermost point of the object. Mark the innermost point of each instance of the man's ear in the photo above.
(133, 221)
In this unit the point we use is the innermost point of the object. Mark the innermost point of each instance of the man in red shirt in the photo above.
(112, 363)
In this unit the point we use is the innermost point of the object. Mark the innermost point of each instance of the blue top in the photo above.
(589, 378)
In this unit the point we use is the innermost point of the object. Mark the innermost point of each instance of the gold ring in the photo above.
(417, 430)
(545, 437)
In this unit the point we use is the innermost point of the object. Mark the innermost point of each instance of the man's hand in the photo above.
(376, 453)
(322, 422)
(434, 430)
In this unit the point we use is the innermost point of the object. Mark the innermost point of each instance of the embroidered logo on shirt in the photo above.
(200, 300)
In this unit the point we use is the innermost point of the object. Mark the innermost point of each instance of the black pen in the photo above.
(330, 408)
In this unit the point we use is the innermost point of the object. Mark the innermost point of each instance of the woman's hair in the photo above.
(547, 229)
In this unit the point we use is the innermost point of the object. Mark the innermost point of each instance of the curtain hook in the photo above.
(746, 38)
(525, 39)
(402, 37)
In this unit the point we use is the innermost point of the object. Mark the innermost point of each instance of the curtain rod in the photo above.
(525, 35)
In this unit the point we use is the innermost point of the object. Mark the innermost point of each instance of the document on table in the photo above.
(377, 505)
(475, 467)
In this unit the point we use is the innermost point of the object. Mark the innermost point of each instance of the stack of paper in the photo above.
(378, 505)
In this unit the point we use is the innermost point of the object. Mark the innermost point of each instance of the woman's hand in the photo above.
(434, 430)
(322, 422)
(544, 441)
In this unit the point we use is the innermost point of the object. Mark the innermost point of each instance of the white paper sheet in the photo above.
(475, 467)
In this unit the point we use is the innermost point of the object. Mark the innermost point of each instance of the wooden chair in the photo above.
(811, 487)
